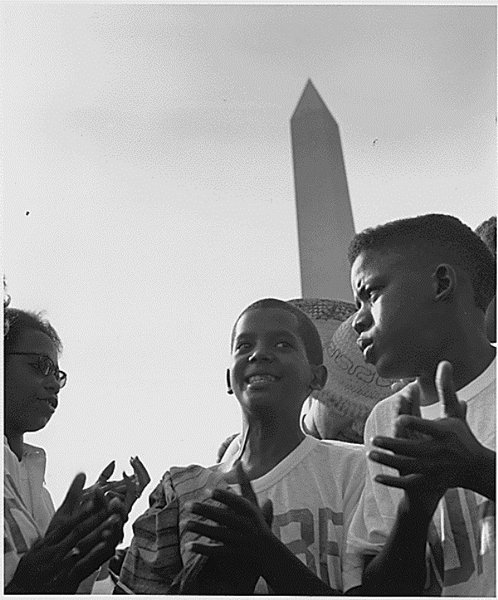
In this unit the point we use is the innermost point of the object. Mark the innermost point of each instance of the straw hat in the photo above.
(353, 387)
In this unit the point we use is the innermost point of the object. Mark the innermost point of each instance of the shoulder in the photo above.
(182, 481)
(30, 450)
(340, 448)
(380, 420)
(343, 455)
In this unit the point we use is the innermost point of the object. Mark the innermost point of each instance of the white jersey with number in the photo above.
(461, 549)
(314, 491)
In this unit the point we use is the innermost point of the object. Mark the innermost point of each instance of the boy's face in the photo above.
(395, 300)
(30, 399)
(269, 361)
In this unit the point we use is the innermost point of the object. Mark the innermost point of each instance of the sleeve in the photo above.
(376, 511)
(153, 558)
(20, 532)
(351, 569)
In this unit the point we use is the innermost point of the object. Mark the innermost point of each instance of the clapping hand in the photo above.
(241, 532)
(430, 456)
(128, 489)
(82, 535)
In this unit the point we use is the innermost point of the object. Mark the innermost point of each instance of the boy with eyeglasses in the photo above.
(308, 488)
(47, 551)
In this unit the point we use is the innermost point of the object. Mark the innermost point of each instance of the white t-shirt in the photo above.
(463, 527)
(314, 491)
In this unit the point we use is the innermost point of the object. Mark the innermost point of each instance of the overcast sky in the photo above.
(148, 186)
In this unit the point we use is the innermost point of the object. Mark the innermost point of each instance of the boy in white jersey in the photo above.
(312, 485)
(422, 287)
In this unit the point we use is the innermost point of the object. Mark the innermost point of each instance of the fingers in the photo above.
(116, 487)
(406, 482)
(106, 473)
(410, 400)
(131, 494)
(238, 504)
(108, 531)
(399, 385)
(74, 494)
(219, 515)
(90, 562)
(407, 447)
(446, 391)
(416, 430)
(245, 484)
(214, 532)
(142, 475)
(214, 550)
(404, 464)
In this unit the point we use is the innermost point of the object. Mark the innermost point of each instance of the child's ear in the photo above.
(444, 282)
(319, 377)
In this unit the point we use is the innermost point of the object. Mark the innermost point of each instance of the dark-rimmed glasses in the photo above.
(46, 366)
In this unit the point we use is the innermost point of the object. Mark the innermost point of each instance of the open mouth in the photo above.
(261, 378)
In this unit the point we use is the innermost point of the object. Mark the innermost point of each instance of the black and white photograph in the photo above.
(249, 275)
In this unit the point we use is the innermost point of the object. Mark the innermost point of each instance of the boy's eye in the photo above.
(283, 344)
(242, 346)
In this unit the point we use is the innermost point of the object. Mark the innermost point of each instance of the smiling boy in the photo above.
(422, 287)
(313, 485)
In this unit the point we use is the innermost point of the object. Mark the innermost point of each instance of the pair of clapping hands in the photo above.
(81, 536)
(430, 455)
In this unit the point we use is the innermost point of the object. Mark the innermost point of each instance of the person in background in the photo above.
(487, 232)
(308, 488)
(47, 551)
(422, 287)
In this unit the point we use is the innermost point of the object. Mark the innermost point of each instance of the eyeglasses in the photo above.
(46, 366)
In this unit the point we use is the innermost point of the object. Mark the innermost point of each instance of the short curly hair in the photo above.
(306, 328)
(435, 234)
(16, 321)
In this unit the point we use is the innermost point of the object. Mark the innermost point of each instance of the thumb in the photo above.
(74, 494)
(267, 510)
(445, 387)
(246, 488)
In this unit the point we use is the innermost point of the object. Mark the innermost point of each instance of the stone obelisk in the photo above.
(324, 217)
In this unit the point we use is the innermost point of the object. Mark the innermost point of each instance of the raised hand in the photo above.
(241, 532)
(241, 525)
(82, 535)
(432, 456)
(128, 489)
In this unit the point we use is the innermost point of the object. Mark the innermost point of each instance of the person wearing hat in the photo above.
(308, 488)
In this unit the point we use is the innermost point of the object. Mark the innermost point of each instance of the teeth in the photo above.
(261, 378)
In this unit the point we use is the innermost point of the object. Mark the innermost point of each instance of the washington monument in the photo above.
(324, 217)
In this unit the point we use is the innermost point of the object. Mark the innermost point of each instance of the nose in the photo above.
(52, 383)
(261, 353)
(362, 320)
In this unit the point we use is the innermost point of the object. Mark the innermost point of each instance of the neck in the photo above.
(269, 441)
(470, 359)
(15, 441)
